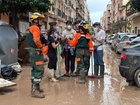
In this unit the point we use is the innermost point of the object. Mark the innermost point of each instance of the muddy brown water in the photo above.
(111, 90)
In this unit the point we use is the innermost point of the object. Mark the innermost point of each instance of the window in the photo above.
(123, 38)
(138, 31)
(135, 30)
(126, 38)
(116, 36)
(132, 31)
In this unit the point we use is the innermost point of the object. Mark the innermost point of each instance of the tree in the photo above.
(115, 27)
(135, 4)
(16, 8)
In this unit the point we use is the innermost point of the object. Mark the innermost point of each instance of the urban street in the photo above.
(69, 52)
(110, 90)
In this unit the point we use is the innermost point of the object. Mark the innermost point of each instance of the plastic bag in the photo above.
(8, 73)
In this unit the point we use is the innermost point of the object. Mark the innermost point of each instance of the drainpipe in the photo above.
(125, 18)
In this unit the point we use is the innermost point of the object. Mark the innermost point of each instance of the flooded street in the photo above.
(111, 90)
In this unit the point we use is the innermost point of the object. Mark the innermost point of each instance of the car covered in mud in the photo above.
(129, 67)
(124, 42)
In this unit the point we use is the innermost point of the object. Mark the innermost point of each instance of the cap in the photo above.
(96, 24)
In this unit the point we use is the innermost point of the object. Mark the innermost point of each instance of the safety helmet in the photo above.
(36, 15)
(84, 25)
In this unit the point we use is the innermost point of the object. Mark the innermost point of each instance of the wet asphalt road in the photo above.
(111, 90)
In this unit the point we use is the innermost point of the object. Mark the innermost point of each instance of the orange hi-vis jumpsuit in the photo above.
(36, 55)
(84, 48)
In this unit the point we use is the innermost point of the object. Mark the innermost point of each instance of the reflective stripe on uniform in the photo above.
(39, 63)
(91, 48)
(37, 80)
(36, 39)
(32, 77)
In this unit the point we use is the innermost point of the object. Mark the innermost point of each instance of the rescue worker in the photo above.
(84, 48)
(99, 39)
(36, 55)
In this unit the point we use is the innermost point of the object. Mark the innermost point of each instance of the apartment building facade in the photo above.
(60, 12)
(134, 18)
(116, 11)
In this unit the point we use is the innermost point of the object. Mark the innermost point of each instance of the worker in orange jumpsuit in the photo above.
(84, 47)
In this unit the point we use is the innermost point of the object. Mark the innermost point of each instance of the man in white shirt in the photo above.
(99, 39)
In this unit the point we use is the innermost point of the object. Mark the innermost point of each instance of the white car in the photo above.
(116, 39)
(109, 39)
(124, 42)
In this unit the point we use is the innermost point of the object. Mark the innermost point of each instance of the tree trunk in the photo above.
(14, 19)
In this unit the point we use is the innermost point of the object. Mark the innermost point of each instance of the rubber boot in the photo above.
(40, 90)
(35, 92)
(96, 70)
(52, 76)
(77, 73)
(82, 79)
(102, 69)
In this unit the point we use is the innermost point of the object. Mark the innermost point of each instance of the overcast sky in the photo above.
(97, 8)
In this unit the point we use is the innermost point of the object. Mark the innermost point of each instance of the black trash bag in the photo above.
(8, 73)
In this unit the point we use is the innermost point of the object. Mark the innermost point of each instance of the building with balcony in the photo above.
(103, 21)
(115, 12)
(134, 18)
(60, 12)
(108, 16)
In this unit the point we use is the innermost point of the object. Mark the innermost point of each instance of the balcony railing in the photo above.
(120, 6)
(129, 12)
(63, 1)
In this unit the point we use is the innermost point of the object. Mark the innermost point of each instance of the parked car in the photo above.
(129, 66)
(135, 41)
(125, 41)
(116, 39)
(109, 39)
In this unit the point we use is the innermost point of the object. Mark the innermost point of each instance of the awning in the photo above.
(134, 15)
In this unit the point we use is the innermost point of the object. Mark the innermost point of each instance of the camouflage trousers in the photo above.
(83, 59)
(37, 65)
